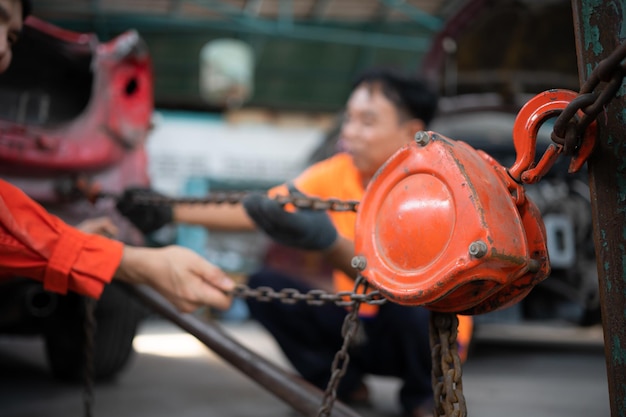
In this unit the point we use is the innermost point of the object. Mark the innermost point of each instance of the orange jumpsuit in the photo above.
(38, 245)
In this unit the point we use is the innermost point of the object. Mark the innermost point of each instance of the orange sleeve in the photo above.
(335, 177)
(38, 245)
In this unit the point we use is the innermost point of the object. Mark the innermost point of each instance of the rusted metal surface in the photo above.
(527, 123)
(457, 237)
(294, 391)
(600, 29)
(447, 371)
(341, 360)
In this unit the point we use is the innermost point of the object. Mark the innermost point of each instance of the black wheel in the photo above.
(117, 316)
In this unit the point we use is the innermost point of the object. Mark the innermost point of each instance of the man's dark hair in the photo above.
(27, 8)
(410, 95)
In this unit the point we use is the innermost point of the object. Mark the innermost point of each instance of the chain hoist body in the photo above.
(445, 226)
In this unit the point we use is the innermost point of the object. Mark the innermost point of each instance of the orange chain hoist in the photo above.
(445, 226)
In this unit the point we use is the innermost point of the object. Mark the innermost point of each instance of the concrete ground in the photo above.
(547, 371)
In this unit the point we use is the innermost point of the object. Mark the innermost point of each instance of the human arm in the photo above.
(183, 277)
(146, 216)
(302, 228)
(340, 255)
(225, 217)
(38, 245)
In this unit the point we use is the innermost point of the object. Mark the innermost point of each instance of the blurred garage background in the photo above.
(246, 93)
(229, 74)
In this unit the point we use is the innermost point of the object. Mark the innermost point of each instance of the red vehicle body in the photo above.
(74, 110)
(73, 106)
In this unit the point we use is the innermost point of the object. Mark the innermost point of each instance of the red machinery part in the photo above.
(439, 227)
(538, 271)
(445, 226)
(533, 114)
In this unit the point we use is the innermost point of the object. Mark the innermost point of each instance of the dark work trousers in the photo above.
(395, 344)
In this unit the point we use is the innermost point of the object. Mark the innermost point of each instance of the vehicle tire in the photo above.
(117, 316)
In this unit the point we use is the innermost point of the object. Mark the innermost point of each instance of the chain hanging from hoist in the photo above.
(352, 300)
(313, 297)
(349, 329)
(447, 371)
(89, 334)
(342, 357)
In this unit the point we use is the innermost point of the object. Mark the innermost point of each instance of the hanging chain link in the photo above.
(88, 365)
(318, 297)
(236, 197)
(349, 328)
(342, 357)
(568, 129)
(447, 370)
(312, 297)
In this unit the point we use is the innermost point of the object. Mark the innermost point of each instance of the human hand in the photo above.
(146, 217)
(304, 229)
(99, 226)
(182, 276)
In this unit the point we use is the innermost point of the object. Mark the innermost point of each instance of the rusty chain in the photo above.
(236, 197)
(447, 369)
(349, 328)
(286, 295)
(443, 352)
(89, 333)
(342, 357)
(312, 297)
(569, 129)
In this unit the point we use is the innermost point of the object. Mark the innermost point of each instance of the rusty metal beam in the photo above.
(293, 390)
(599, 29)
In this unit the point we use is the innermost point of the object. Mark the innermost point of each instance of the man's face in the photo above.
(373, 130)
(10, 29)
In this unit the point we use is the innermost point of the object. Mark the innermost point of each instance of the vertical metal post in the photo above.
(600, 28)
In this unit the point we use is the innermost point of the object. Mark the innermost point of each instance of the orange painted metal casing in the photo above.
(531, 116)
(439, 227)
(537, 245)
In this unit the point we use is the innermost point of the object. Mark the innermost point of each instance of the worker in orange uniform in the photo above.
(38, 245)
(383, 113)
